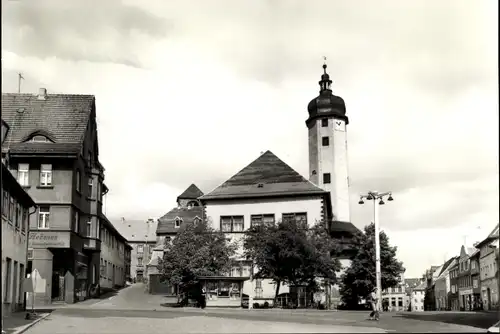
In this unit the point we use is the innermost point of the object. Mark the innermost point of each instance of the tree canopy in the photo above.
(288, 252)
(359, 280)
(196, 251)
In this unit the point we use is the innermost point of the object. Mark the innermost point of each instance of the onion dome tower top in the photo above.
(326, 105)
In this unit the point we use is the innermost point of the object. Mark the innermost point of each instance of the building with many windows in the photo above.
(53, 151)
(188, 210)
(488, 270)
(17, 205)
(140, 235)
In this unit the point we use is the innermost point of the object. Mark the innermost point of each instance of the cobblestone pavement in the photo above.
(133, 311)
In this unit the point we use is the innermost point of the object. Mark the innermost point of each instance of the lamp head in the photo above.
(390, 198)
(370, 197)
(381, 202)
(361, 201)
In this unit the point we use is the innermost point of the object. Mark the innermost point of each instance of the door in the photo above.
(488, 300)
(14, 286)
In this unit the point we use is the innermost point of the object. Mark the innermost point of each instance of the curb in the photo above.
(28, 326)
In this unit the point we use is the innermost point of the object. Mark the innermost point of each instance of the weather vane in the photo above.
(324, 58)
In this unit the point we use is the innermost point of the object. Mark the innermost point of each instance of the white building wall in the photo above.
(14, 245)
(111, 276)
(331, 159)
(312, 205)
(417, 301)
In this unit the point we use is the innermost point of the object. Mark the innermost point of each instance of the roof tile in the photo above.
(63, 117)
(166, 224)
(192, 192)
(265, 176)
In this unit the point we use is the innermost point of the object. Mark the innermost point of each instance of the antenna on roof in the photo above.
(20, 77)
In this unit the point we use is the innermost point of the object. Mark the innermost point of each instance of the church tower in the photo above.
(327, 124)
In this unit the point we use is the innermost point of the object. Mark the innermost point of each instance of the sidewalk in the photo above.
(16, 323)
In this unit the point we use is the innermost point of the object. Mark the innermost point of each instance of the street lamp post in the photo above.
(376, 196)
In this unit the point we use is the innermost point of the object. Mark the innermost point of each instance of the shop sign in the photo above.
(49, 239)
(465, 292)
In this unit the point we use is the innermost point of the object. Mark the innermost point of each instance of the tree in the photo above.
(359, 280)
(196, 251)
(288, 252)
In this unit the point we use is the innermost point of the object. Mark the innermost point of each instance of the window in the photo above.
(24, 224)
(298, 217)
(324, 122)
(89, 158)
(231, 223)
(77, 222)
(325, 141)
(23, 171)
(140, 249)
(139, 261)
(89, 228)
(178, 222)
(102, 268)
(98, 229)
(78, 180)
(267, 219)
(46, 175)
(326, 178)
(12, 209)
(19, 216)
(5, 203)
(91, 188)
(400, 302)
(473, 264)
(39, 139)
(43, 217)
(8, 273)
(196, 220)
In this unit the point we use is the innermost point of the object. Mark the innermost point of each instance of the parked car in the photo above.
(495, 328)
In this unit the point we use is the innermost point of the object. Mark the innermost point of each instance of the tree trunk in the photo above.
(278, 284)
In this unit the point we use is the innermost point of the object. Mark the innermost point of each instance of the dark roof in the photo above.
(105, 221)
(166, 224)
(421, 287)
(10, 184)
(326, 104)
(192, 192)
(337, 226)
(63, 118)
(137, 230)
(446, 265)
(275, 176)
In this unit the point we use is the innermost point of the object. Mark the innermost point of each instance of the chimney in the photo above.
(42, 93)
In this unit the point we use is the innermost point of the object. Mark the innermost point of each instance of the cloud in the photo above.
(210, 89)
(78, 30)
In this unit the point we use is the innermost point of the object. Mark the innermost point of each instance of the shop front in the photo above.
(465, 297)
(221, 291)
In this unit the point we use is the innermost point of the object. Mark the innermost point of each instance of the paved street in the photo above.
(133, 311)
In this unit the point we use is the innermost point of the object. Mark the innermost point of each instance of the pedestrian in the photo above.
(374, 315)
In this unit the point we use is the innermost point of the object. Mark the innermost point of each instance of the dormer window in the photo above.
(178, 222)
(196, 220)
(39, 139)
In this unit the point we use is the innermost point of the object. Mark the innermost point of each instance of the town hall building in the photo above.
(268, 190)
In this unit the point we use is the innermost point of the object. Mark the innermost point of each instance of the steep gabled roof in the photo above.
(63, 116)
(166, 224)
(192, 192)
(265, 176)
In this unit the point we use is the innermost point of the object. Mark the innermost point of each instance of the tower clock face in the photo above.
(338, 125)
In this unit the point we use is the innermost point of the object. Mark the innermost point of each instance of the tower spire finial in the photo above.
(324, 64)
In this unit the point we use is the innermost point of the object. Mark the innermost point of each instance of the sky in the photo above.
(192, 91)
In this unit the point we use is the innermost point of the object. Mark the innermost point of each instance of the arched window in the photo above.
(178, 222)
(40, 139)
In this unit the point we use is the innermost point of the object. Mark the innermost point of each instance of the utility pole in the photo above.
(20, 77)
(376, 196)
